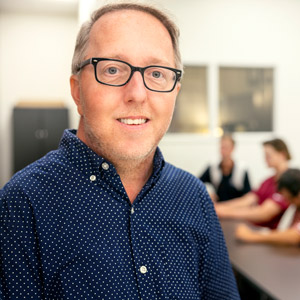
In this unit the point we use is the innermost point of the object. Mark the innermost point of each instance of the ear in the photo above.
(75, 92)
(178, 87)
(176, 91)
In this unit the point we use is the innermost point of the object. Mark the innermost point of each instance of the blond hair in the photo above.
(84, 32)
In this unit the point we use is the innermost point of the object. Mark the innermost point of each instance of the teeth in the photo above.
(133, 121)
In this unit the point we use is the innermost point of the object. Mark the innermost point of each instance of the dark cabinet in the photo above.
(36, 131)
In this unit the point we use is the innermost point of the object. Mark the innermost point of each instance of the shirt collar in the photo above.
(88, 162)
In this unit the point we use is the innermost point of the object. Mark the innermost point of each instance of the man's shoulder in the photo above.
(185, 188)
(36, 173)
(182, 176)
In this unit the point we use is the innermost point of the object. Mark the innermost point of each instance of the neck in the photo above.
(227, 165)
(134, 175)
(227, 161)
(282, 167)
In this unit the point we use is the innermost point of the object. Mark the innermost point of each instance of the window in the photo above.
(246, 99)
(191, 110)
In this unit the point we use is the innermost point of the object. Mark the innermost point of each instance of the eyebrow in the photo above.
(152, 60)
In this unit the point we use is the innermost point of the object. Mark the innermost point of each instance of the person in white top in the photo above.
(226, 179)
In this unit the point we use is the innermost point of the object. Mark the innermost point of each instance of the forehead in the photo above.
(269, 148)
(128, 32)
(226, 142)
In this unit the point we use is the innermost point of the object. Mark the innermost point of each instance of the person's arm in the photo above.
(290, 236)
(257, 214)
(244, 201)
(20, 266)
(217, 281)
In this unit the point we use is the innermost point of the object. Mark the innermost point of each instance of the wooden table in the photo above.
(275, 270)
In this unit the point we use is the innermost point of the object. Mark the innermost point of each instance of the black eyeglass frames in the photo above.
(114, 72)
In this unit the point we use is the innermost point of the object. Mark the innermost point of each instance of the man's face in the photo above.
(141, 40)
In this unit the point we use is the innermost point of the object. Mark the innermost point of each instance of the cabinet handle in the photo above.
(41, 134)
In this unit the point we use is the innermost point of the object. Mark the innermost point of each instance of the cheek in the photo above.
(168, 113)
(93, 103)
(268, 159)
(170, 106)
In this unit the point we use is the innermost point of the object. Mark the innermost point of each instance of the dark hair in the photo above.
(84, 32)
(290, 180)
(280, 146)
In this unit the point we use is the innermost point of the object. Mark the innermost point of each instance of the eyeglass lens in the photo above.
(117, 73)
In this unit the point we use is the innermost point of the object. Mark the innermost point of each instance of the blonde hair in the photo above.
(84, 32)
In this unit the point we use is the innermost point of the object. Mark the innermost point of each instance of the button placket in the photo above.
(143, 269)
(93, 177)
(140, 259)
(105, 166)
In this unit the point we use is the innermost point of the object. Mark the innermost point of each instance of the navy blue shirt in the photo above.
(69, 231)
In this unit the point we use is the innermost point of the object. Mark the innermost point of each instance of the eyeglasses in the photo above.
(116, 72)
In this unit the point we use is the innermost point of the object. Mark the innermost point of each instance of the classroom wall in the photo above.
(35, 58)
(213, 33)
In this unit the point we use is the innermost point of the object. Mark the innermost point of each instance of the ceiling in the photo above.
(68, 7)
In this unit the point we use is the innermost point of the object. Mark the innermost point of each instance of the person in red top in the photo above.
(264, 206)
(289, 233)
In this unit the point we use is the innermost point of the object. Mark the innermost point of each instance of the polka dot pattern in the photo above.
(69, 231)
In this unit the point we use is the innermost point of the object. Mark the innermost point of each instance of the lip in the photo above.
(133, 121)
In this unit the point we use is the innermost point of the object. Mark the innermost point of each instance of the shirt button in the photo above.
(105, 166)
(143, 269)
(92, 178)
(132, 210)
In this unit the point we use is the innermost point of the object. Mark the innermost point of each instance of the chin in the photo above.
(138, 155)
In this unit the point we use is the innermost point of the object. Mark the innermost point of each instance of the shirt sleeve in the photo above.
(280, 200)
(20, 276)
(220, 282)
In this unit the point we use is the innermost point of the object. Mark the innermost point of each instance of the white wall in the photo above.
(213, 33)
(35, 58)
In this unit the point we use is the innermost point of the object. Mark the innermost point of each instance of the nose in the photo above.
(135, 88)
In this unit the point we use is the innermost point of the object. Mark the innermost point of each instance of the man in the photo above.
(288, 232)
(227, 179)
(104, 216)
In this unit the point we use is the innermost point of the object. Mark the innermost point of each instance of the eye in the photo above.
(156, 74)
(112, 70)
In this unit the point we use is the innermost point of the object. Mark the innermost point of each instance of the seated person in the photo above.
(228, 178)
(289, 186)
(263, 207)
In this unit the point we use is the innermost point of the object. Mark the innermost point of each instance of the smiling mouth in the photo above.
(133, 121)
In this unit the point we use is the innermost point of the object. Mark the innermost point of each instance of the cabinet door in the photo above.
(54, 122)
(26, 140)
(36, 132)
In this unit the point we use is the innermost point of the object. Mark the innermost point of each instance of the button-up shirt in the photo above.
(69, 231)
